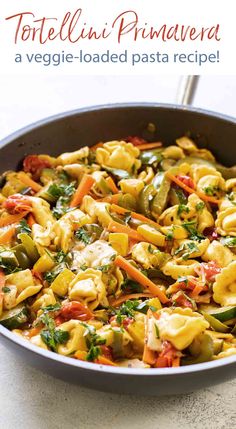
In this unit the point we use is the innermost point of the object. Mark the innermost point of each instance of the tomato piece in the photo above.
(75, 310)
(127, 321)
(210, 233)
(166, 356)
(135, 140)
(34, 164)
(17, 203)
(106, 352)
(182, 300)
(186, 180)
(211, 269)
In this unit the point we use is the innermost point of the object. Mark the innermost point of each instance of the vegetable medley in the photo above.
(121, 254)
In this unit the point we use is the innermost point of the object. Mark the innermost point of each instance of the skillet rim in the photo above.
(49, 119)
(187, 369)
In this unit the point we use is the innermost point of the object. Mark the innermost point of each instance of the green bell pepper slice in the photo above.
(29, 246)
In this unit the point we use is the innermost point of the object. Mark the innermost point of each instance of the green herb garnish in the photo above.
(83, 236)
(200, 206)
(23, 227)
(182, 208)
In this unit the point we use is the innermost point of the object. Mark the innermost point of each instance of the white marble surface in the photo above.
(30, 399)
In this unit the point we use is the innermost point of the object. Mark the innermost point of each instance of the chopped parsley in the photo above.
(200, 206)
(192, 231)
(50, 276)
(229, 241)
(23, 227)
(6, 289)
(93, 341)
(187, 249)
(60, 256)
(181, 196)
(61, 190)
(130, 286)
(83, 236)
(182, 208)
(51, 336)
(211, 190)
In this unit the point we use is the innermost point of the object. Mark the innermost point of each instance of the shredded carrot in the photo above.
(117, 227)
(105, 361)
(191, 190)
(176, 362)
(29, 182)
(81, 355)
(147, 146)
(134, 215)
(144, 281)
(34, 331)
(83, 189)
(10, 219)
(123, 298)
(112, 185)
(31, 220)
(197, 289)
(161, 362)
(2, 279)
(149, 356)
(95, 146)
(111, 199)
(7, 235)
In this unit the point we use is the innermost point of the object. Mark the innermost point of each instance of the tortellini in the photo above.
(132, 186)
(89, 288)
(77, 340)
(45, 298)
(118, 154)
(224, 288)
(147, 255)
(94, 255)
(226, 222)
(41, 211)
(177, 267)
(98, 211)
(73, 157)
(22, 285)
(42, 235)
(218, 253)
(66, 225)
(180, 326)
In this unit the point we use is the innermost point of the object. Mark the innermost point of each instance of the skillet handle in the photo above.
(187, 89)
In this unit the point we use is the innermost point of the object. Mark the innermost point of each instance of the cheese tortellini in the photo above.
(89, 288)
(21, 286)
(224, 288)
(118, 154)
(180, 326)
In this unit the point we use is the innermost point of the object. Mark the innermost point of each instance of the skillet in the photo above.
(71, 130)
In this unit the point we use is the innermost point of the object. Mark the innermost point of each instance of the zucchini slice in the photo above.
(222, 313)
(15, 317)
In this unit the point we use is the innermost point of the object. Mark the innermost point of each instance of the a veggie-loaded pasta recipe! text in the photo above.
(122, 254)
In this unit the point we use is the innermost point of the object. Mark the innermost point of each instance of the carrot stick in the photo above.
(111, 199)
(135, 274)
(176, 362)
(149, 356)
(147, 146)
(112, 185)
(95, 146)
(190, 190)
(117, 227)
(81, 355)
(138, 216)
(83, 189)
(29, 182)
(10, 219)
(195, 292)
(2, 280)
(7, 235)
(34, 331)
(31, 220)
(123, 298)
(105, 361)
